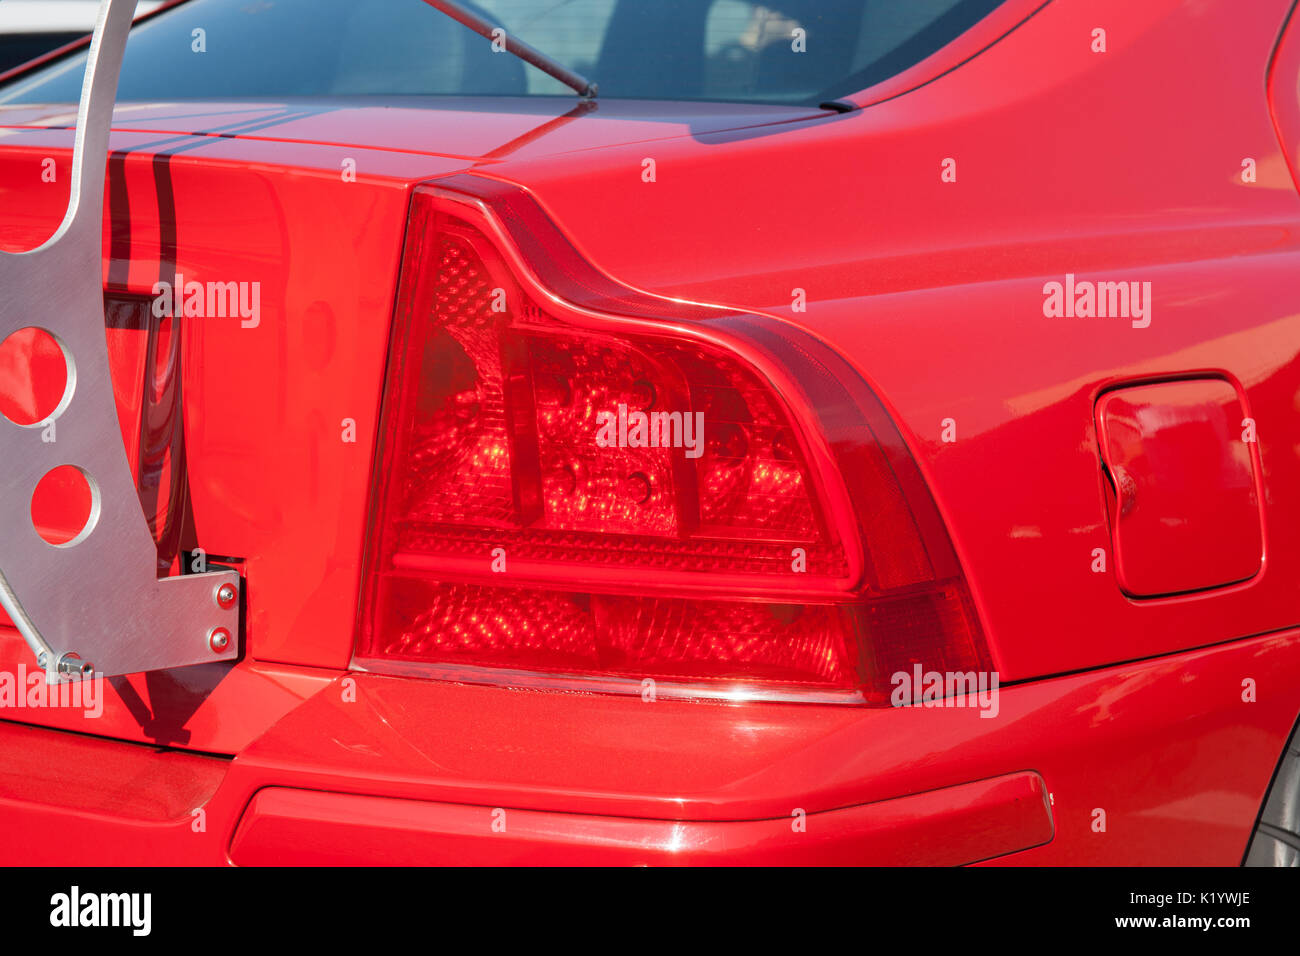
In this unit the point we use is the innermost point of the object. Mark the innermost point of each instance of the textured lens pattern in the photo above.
(477, 625)
(614, 550)
(587, 486)
(750, 477)
(502, 416)
(756, 641)
(459, 458)
(624, 636)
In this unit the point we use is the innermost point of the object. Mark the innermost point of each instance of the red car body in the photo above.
(924, 227)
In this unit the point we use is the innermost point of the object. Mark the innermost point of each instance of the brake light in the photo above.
(580, 482)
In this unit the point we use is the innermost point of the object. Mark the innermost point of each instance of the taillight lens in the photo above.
(576, 480)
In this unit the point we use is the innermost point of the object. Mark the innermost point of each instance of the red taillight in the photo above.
(617, 635)
(577, 480)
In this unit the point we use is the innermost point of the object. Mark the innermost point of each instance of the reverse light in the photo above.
(579, 484)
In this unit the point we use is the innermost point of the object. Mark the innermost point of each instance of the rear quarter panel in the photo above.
(1118, 165)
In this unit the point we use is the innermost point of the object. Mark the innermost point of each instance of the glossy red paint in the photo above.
(1117, 166)
(1067, 162)
(1166, 746)
(1284, 93)
(947, 827)
(1184, 505)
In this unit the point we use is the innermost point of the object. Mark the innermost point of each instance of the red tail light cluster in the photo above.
(579, 482)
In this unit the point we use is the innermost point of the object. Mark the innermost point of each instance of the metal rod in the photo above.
(519, 48)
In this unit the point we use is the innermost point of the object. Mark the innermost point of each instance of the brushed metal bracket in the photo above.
(94, 605)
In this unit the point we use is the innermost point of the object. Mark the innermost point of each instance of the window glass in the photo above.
(778, 51)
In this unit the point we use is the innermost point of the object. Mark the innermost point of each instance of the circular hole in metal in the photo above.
(65, 506)
(36, 377)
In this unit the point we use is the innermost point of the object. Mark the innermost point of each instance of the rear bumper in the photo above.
(1164, 761)
(943, 827)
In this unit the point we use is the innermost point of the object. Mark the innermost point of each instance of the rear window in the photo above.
(780, 51)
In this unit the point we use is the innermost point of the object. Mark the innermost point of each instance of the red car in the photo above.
(702, 431)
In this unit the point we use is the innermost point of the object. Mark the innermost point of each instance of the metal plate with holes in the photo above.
(95, 603)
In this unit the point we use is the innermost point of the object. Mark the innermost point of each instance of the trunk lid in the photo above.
(306, 202)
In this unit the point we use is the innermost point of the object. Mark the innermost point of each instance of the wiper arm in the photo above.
(519, 48)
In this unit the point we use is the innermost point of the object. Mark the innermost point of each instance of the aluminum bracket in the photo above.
(94, 605)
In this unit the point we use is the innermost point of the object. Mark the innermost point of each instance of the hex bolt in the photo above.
(71, 665)
(218, 639)
(226, 596)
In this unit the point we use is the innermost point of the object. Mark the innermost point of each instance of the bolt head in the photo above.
(71, 665)
(219, 639)
(227, 596)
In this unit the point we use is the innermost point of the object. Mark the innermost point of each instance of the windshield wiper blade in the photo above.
(519, 48)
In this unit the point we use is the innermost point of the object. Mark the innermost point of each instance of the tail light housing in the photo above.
(578, 484)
